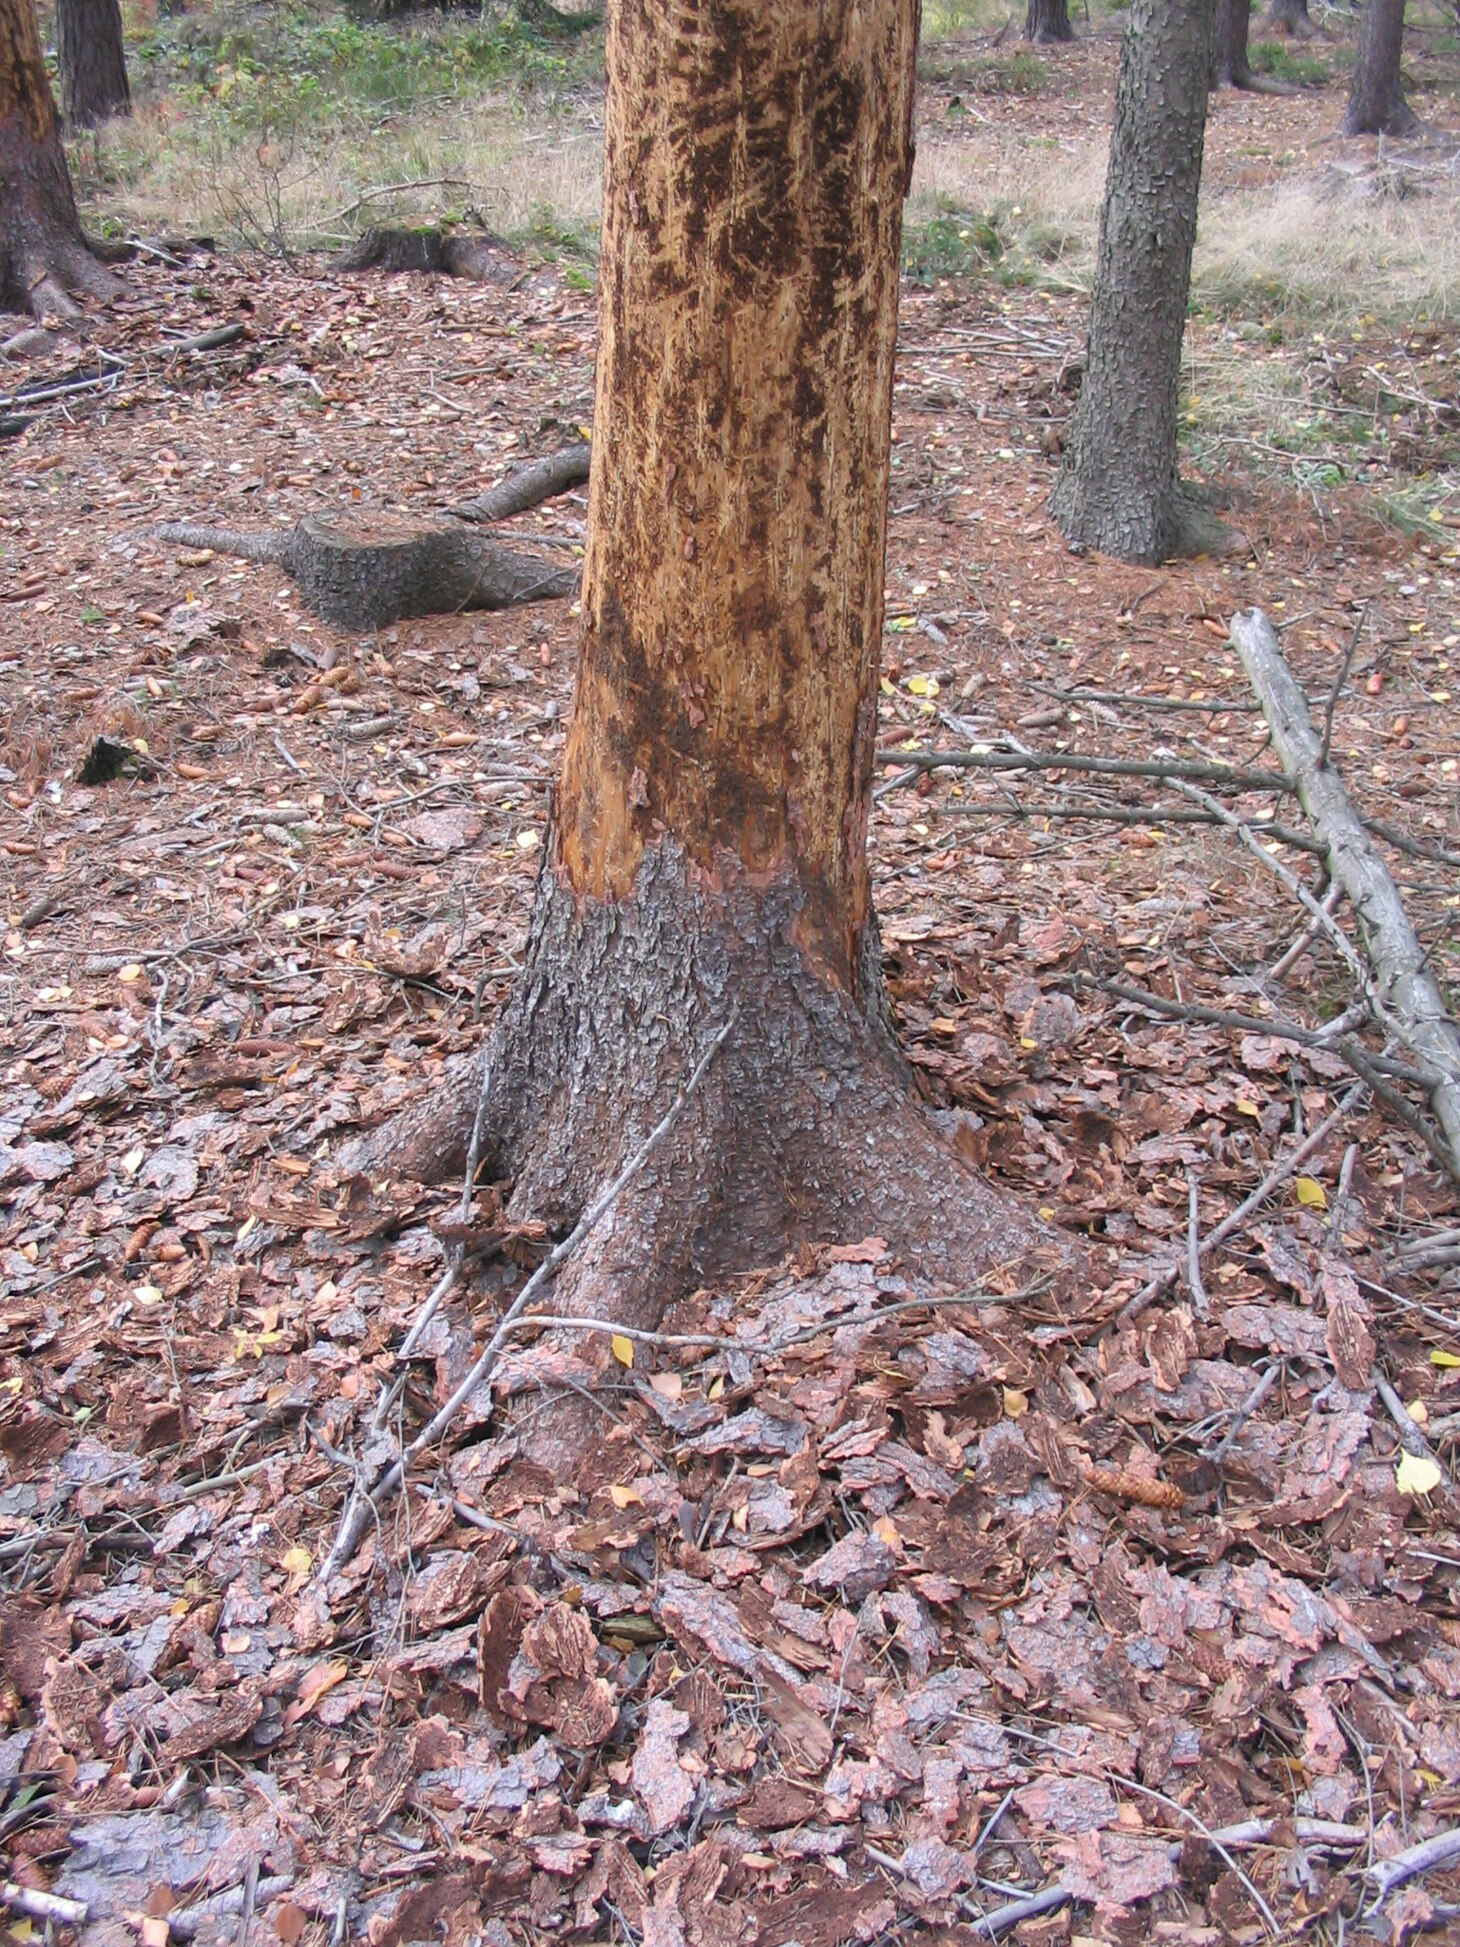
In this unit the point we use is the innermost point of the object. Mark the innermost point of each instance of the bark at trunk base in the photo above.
(1119, 490)
(1289, 17)
(44, 259)
(1376, 103)
(805, 1129)
(1048, 20)
(1234, 21)
(91, 57)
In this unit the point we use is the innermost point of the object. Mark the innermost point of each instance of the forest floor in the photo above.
(839, 1640)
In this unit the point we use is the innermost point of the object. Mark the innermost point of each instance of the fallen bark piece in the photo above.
(529, 487)
(1407, 990)
(363, 570)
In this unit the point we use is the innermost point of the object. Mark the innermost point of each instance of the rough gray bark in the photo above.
(1234, 20)
(804, 1130)
(1289, 17)
(530, 486)
(44, 259)
(1376, 102)
(1406, 988)
(92, 60)
(1119, 491)
(1048, 20)
(362, 571)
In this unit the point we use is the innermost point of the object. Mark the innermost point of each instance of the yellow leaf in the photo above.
(132, 972)
(1244, 1107)
(624, 1497)
(1446, 1359)
(886, 688)
(297, 1561)
(917, 685)
(623, 1349)
(1416, 1474)
(886, 1530)
(1311, 1192)
(1027, 1041)
(740, 1520)
(668, 1385)
(717, 1387)
(1015, 1402)
(147, 1294)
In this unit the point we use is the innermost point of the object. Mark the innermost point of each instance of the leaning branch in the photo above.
(529, 487)
(1409, 992)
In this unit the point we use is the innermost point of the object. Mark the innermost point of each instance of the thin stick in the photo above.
(1442, 1850)
(362, 1506)
(1275, 1178)
(1411, 1438)
(1306, 938)
(1213, 1839)
(43, 1906)
(1193, 1246)
(1230, 775)
(1244, 1412)
(1110, 814)
(1337, 690)
(1280, 1029)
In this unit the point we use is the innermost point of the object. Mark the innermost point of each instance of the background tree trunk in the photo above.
(92, 61)
(1289, 17)
(1376, 103)
(1234, 21)
(1048, 20)
(1119, 490)
(43, 255)
(709, 857)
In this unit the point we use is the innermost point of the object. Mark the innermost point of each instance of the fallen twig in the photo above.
(1276, 1176)
(1411, 1001)
(43, 1906)
(362, 1506)
(1109, 814)
(1230, 775)
(1442, 1850)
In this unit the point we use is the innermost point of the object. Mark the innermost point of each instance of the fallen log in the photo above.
(363, 570)
(1408, 992)
(529, 487)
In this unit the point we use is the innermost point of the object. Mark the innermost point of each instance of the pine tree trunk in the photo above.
(43, 255)
(1234, 20)
(1048, 20)
(92, 60)
(1289, 17)
(708, 862)
(1119, 490)
(1376, 103)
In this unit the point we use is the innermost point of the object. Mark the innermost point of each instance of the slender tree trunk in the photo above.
(1048, 20)
(1119, 491)
(43, 255)
(92, 60)
(708, 862)
(1289, 17)
(1234, 20)
(1376, 103)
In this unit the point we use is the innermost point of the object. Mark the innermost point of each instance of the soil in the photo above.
(862, 1626)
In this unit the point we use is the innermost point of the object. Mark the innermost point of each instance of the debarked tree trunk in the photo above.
(708, 860)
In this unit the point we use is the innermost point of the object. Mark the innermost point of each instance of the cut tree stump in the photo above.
(484, 258)
(364, 570)
(1406, 988)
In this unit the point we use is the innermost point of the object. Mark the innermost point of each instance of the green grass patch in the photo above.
(1280, 61)
(952, 242)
